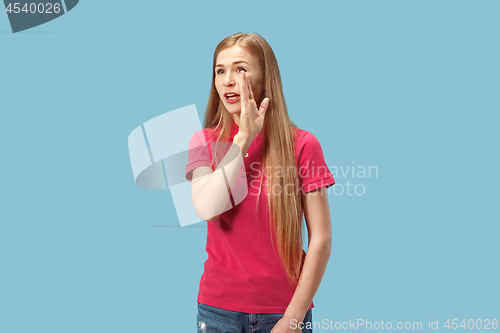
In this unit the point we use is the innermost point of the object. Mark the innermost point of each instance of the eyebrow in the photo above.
(234, 63)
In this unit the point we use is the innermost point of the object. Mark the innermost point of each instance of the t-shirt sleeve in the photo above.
(199, 154)
(313, 171)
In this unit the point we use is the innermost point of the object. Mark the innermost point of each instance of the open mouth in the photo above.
(231, 97)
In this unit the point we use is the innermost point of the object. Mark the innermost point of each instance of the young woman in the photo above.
(257, 277)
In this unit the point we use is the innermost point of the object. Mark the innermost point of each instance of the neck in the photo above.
(236, 118)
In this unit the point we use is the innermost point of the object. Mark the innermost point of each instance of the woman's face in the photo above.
(230, 63)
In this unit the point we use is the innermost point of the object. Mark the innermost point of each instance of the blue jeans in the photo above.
(216, 320)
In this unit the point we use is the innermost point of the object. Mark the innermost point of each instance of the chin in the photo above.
(232, 109)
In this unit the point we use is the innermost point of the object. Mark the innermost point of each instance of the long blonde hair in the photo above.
(279, 133)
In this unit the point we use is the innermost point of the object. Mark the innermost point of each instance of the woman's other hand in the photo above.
(284, 326)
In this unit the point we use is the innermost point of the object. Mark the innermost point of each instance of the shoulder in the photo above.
(306, 139)
(203, 136)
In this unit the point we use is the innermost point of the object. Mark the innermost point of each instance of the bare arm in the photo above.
(209, 190)
(317, 215)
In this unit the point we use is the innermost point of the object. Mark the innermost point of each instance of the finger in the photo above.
(243, 89)
(247, 90)
(264, 105)
(250, 91)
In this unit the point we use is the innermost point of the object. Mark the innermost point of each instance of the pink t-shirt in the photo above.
(242, 272)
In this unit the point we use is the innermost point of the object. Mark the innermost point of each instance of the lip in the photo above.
(231, 100)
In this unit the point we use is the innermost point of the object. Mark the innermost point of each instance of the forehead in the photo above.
(235, 53)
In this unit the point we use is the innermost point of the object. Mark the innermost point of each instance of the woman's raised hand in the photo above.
(251, 118)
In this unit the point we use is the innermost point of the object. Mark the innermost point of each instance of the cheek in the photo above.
(256, 86)
(252, 82)
(217, 87)
(256, 83)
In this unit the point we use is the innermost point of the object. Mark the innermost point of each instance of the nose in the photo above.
(229, 80)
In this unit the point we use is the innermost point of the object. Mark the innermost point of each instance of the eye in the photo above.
(237, 69)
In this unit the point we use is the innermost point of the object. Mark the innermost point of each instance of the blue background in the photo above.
(408, 86)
